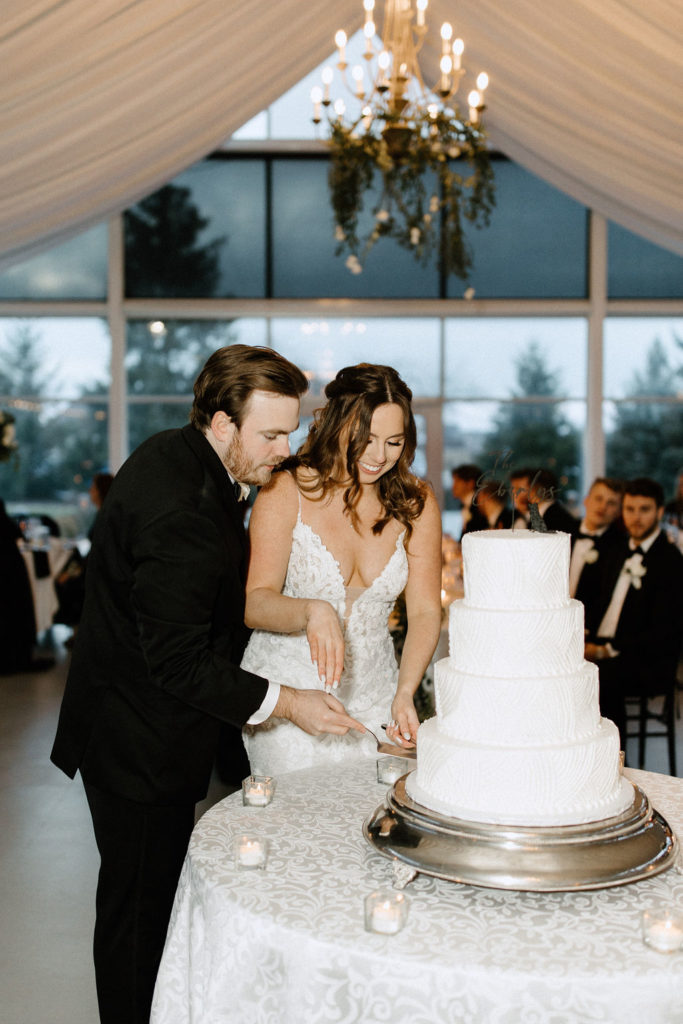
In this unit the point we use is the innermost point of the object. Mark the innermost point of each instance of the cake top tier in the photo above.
(516, 569)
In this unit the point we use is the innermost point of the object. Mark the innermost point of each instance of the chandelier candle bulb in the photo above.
(340, 40)
(421, 8)
(458, 50)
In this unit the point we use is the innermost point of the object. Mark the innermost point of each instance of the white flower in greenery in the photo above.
(353, 264)
(434, 204)
(415, 235)
(634, 568)
(382, 216)
(339, 233)
(468, 294)
(591, 556)
(427, 219)
(8, 437)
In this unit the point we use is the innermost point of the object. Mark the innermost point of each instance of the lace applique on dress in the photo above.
(368, 681)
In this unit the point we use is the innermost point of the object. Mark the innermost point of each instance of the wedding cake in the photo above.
(518, 738)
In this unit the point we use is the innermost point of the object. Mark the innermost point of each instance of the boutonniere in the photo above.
(634, 568)
(591, 556)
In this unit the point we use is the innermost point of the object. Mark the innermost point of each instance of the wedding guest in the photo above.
(600, 528)
(464, 486)
(491, 503)
(543, 490)
(155, 666)
(636, 621)
(70, 584)
(520, 480)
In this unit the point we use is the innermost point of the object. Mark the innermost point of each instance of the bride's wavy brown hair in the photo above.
(339, 435)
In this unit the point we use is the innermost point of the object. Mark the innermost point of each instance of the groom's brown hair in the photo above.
(231, 374)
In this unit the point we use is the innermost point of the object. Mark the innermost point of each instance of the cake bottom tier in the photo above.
(563, 784)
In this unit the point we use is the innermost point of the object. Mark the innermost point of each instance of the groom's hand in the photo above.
(315, 712)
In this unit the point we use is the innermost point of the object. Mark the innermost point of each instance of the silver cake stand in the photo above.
(628, 847)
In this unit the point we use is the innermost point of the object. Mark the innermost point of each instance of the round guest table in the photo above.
(287, 945)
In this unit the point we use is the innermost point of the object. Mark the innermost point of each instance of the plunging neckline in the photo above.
(335, 562)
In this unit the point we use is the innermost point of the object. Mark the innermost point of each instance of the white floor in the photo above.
(49, 859)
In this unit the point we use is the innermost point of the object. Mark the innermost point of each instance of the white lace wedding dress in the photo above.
(368, 682)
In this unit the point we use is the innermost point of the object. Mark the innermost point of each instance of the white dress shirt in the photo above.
(273, 692)
(580, 555)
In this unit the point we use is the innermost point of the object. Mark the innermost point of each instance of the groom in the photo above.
(155, 671)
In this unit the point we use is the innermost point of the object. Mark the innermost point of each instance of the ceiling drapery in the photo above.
(101, 103)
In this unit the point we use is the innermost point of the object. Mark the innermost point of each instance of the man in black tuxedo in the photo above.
(155, 666)
(635, 618)
(600, 528)
(464, 488)
(543, 491)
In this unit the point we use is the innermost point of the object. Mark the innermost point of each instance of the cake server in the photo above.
(392, 748)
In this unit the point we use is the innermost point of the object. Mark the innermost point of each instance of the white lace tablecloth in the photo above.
(287, 945)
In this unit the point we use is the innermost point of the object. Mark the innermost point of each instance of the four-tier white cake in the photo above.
(518, 738)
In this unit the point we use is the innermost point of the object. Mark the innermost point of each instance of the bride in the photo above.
(338, 534)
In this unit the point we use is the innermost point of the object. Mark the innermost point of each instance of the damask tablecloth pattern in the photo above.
(287, 945)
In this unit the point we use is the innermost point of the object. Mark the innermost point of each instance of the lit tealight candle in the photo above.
(385, 912)
(257, 790)
(390, 769)
(663, 929)
(251, 852)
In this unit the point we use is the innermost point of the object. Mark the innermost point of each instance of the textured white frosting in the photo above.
(518, 738)
(513, 712)
(562, 784)
(516, 644)
(516, 569)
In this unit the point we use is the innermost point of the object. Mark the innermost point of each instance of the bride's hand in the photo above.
(326, 642)
(402, 730)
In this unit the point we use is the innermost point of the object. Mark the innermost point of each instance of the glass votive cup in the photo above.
(250, 852)
(257, 790)
(385, 912)
(390, 769)
(663, 929)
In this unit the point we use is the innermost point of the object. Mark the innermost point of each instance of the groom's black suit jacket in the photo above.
(650, 629)
(155, 669)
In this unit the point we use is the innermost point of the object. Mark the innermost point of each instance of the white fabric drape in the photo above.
(100, 103)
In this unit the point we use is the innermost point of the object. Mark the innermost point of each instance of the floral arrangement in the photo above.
(424, 195)
(8, 440)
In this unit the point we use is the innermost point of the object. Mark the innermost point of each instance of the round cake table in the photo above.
(287, 945)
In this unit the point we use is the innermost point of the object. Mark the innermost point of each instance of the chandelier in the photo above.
(408, 138)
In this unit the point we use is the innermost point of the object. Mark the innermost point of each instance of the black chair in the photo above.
(650, 720)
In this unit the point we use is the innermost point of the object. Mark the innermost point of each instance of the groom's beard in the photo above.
(243, 468)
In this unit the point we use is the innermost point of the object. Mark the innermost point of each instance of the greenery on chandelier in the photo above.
(424, 195)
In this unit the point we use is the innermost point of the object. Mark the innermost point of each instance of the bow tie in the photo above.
(586, 536)
(637, 551)
(241, 491)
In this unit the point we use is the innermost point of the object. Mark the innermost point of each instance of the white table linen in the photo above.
(287, 945)
(45, 601)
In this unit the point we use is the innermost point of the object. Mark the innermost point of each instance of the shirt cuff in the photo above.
(268, 706)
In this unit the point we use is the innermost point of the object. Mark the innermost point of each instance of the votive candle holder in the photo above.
(390, 769)
(662, 929)
(257, 790)
(250, 853)
(386, 912)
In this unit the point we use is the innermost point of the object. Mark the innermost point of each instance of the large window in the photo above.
(240, 249)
